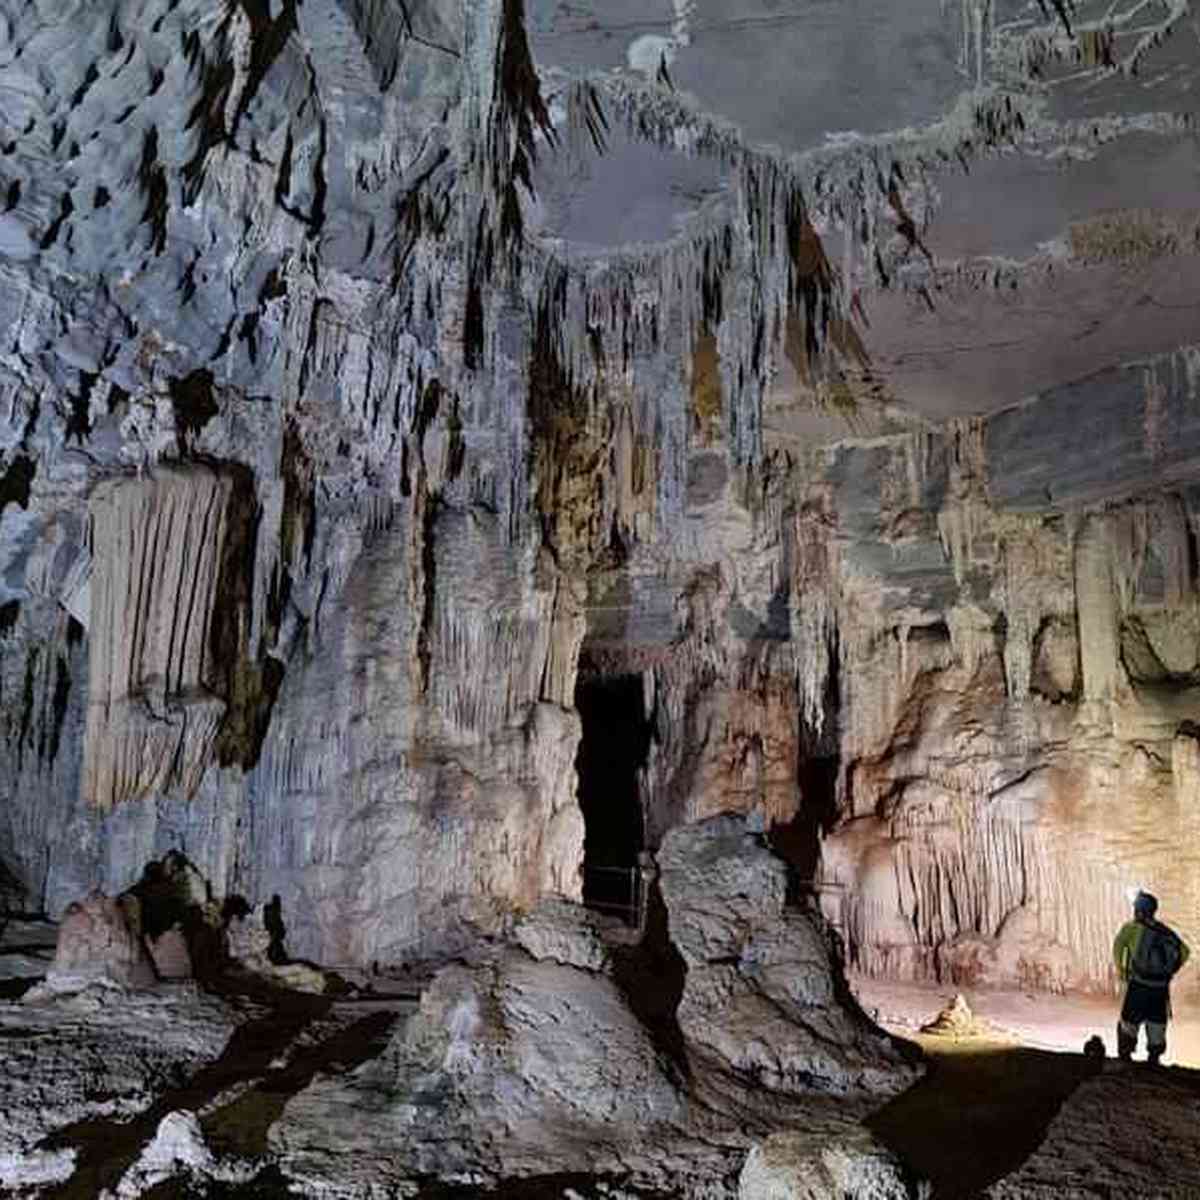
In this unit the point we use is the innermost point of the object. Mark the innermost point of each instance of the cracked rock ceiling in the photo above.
(1058, 240)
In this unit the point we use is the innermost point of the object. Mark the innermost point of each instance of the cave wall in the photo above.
(1017, 728)
(304, 470)
(320, 469)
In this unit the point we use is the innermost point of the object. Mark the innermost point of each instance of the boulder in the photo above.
(764, 998)
(567, 933)
(512, 1068)
(96, 941)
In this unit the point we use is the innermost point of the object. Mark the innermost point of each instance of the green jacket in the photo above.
(1125, 947)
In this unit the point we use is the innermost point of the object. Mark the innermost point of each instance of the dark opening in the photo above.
(614, 747)
(818, 770)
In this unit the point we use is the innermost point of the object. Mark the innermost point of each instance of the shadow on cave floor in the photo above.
(981, 1110)
(107, 1148)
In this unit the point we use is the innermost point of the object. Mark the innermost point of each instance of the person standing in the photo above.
(1148, 954)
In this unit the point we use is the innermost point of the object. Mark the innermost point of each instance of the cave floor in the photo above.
(980, 1112)
(1018, 1114)
(1037, 1020)
(1023, 1111)
(1035, 1122)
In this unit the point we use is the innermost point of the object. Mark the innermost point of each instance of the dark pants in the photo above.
(1149, 1005)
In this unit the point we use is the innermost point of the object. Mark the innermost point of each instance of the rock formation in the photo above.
(156, 545)
(760, 998)
(533, 1061)
(346, 430)
(384, 381)
(823, 1165)
(96, 940)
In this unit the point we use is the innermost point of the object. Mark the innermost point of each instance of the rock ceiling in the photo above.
(1047, 252)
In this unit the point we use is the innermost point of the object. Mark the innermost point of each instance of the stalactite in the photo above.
(1185, 765)
(972, 635)
(815, 592)
(1033, 584)
(966, 509)
(952, 888)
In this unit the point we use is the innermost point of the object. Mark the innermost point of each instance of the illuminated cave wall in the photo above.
(321, 465)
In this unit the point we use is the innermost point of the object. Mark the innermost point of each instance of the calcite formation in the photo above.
(157, 547)
(346, 424)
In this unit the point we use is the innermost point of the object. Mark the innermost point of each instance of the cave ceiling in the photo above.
(1061, 247)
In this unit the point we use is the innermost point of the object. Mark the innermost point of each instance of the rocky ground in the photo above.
(120, 1093)
(722, 1057)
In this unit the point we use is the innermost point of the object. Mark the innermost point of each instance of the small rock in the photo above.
(808, 1165)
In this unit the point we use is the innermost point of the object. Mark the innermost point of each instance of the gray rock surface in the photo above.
(760, 998)
(568, 934)
(509, 1069)
(818, 1164)
(103, 1051)
(97, 941)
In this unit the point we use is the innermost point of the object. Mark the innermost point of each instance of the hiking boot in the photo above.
(1125, 1045)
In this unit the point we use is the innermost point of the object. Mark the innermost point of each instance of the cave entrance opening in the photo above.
(818, 772)
(612, 752)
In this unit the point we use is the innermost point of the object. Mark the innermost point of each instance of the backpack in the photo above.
(1158, 955)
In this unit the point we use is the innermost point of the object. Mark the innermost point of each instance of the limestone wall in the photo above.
(323, 462)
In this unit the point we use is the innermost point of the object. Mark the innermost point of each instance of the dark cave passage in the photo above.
(614, 747)
(817, 773)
